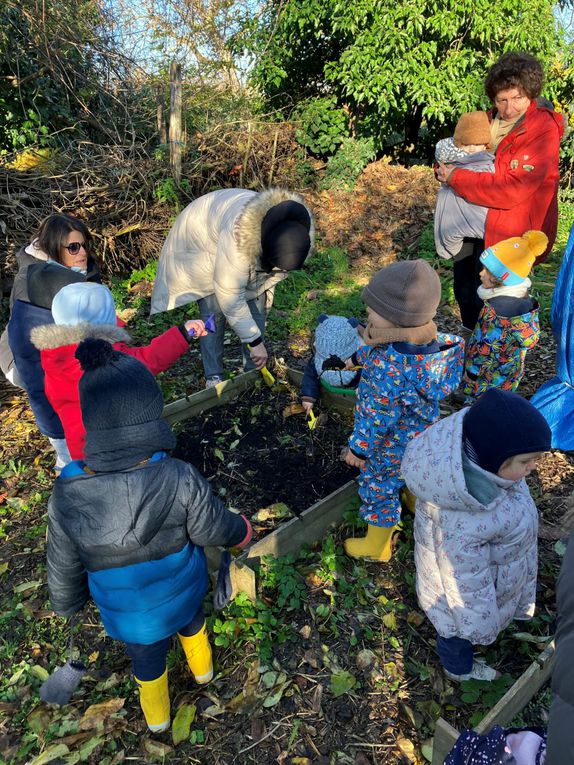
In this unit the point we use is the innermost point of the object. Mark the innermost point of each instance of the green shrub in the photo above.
(344, 167)
(322, 125)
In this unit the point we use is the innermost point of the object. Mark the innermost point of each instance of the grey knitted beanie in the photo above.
(406, 293)
(335, 336)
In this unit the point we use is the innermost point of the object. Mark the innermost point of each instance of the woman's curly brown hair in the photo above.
(515, 70)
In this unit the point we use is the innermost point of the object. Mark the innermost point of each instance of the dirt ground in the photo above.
(358, 624)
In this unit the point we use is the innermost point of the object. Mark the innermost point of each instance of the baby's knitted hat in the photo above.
(84, 302)
(511, 260)
(406, 293)
(500, 425)
(121, 407)
(335, 336)
(116, 390)
(472, 128)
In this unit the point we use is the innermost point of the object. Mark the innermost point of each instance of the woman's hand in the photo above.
(444, 172)
(195, 328)
(258, 355)
(307, 406)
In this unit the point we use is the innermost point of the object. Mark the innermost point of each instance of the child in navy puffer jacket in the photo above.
(128, 527)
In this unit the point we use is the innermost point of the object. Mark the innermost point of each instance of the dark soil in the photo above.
(256, 457)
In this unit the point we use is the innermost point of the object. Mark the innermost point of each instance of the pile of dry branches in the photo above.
(114, 188)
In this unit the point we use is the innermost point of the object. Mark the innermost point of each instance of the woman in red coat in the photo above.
(522, 192)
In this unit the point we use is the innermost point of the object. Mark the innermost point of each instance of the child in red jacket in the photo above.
(86, 310)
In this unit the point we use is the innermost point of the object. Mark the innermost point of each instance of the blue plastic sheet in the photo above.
(555, 399)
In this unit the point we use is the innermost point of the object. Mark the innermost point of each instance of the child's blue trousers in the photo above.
(148, 661)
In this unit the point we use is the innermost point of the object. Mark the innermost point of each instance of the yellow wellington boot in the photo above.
(408, 500)
(198, 654)
(154, 701)
(377, 545)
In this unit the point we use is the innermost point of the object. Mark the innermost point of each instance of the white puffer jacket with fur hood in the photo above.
(214, 247)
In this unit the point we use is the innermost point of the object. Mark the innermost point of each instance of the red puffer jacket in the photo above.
(62, 370)
(522, 192)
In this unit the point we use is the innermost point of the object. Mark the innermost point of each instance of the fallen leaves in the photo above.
(182, 723)
(342, 682)
(96, 714)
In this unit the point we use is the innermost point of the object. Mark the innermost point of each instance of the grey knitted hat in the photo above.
(406, 293)
(335, 336)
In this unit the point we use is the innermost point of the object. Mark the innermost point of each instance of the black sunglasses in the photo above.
(74, 248)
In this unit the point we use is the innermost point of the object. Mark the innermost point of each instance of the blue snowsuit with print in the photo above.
(397, 398)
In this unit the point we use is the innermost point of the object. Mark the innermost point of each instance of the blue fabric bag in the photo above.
(555, 399)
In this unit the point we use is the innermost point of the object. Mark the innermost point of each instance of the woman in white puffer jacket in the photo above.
(476, 525)
(227, 250)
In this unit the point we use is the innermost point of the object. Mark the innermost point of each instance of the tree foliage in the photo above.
(394, 65)
(60, 74)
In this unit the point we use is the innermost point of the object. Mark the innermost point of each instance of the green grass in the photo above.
(326, 285)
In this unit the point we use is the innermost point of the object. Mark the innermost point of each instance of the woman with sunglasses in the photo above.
(58, 255)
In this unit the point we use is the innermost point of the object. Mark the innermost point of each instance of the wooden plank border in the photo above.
(309, 527)
(513, 702)
(203, 400)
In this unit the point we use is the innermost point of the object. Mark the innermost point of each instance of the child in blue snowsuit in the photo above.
(407, 369)
(336, 339)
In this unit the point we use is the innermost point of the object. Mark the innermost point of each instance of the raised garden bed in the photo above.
(511, 704)
(268, 465)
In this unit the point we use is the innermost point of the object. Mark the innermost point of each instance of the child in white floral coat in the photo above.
(476, 525)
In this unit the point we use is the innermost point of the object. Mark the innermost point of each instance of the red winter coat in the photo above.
(62, 371)
(522, 192)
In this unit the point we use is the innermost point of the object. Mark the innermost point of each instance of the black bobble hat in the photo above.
(285, 236)
(500, 425)
(116, 390)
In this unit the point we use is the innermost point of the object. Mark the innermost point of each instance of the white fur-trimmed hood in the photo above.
(248, 225)
(51, 336)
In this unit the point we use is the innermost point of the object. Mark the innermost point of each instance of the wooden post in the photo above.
(175, 133)
(273, 156)
(243, 170)
(160, 114)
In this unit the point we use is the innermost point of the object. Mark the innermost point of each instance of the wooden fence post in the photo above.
(175, 133)
(160, 115)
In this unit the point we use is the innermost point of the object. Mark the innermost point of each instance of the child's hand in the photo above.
(307, 406)
(195, 328)
(350, 365)
(351, 459)
(444, 172)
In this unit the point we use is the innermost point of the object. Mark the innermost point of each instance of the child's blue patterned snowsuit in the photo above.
(397, 398)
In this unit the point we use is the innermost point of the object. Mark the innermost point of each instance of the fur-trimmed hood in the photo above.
(52, 336)
(247, 231)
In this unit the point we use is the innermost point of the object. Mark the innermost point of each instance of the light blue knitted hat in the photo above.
(84, 302)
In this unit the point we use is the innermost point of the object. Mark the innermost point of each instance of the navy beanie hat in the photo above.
(116, 390)
(285, 236)
(500, 425)
(121, 407)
